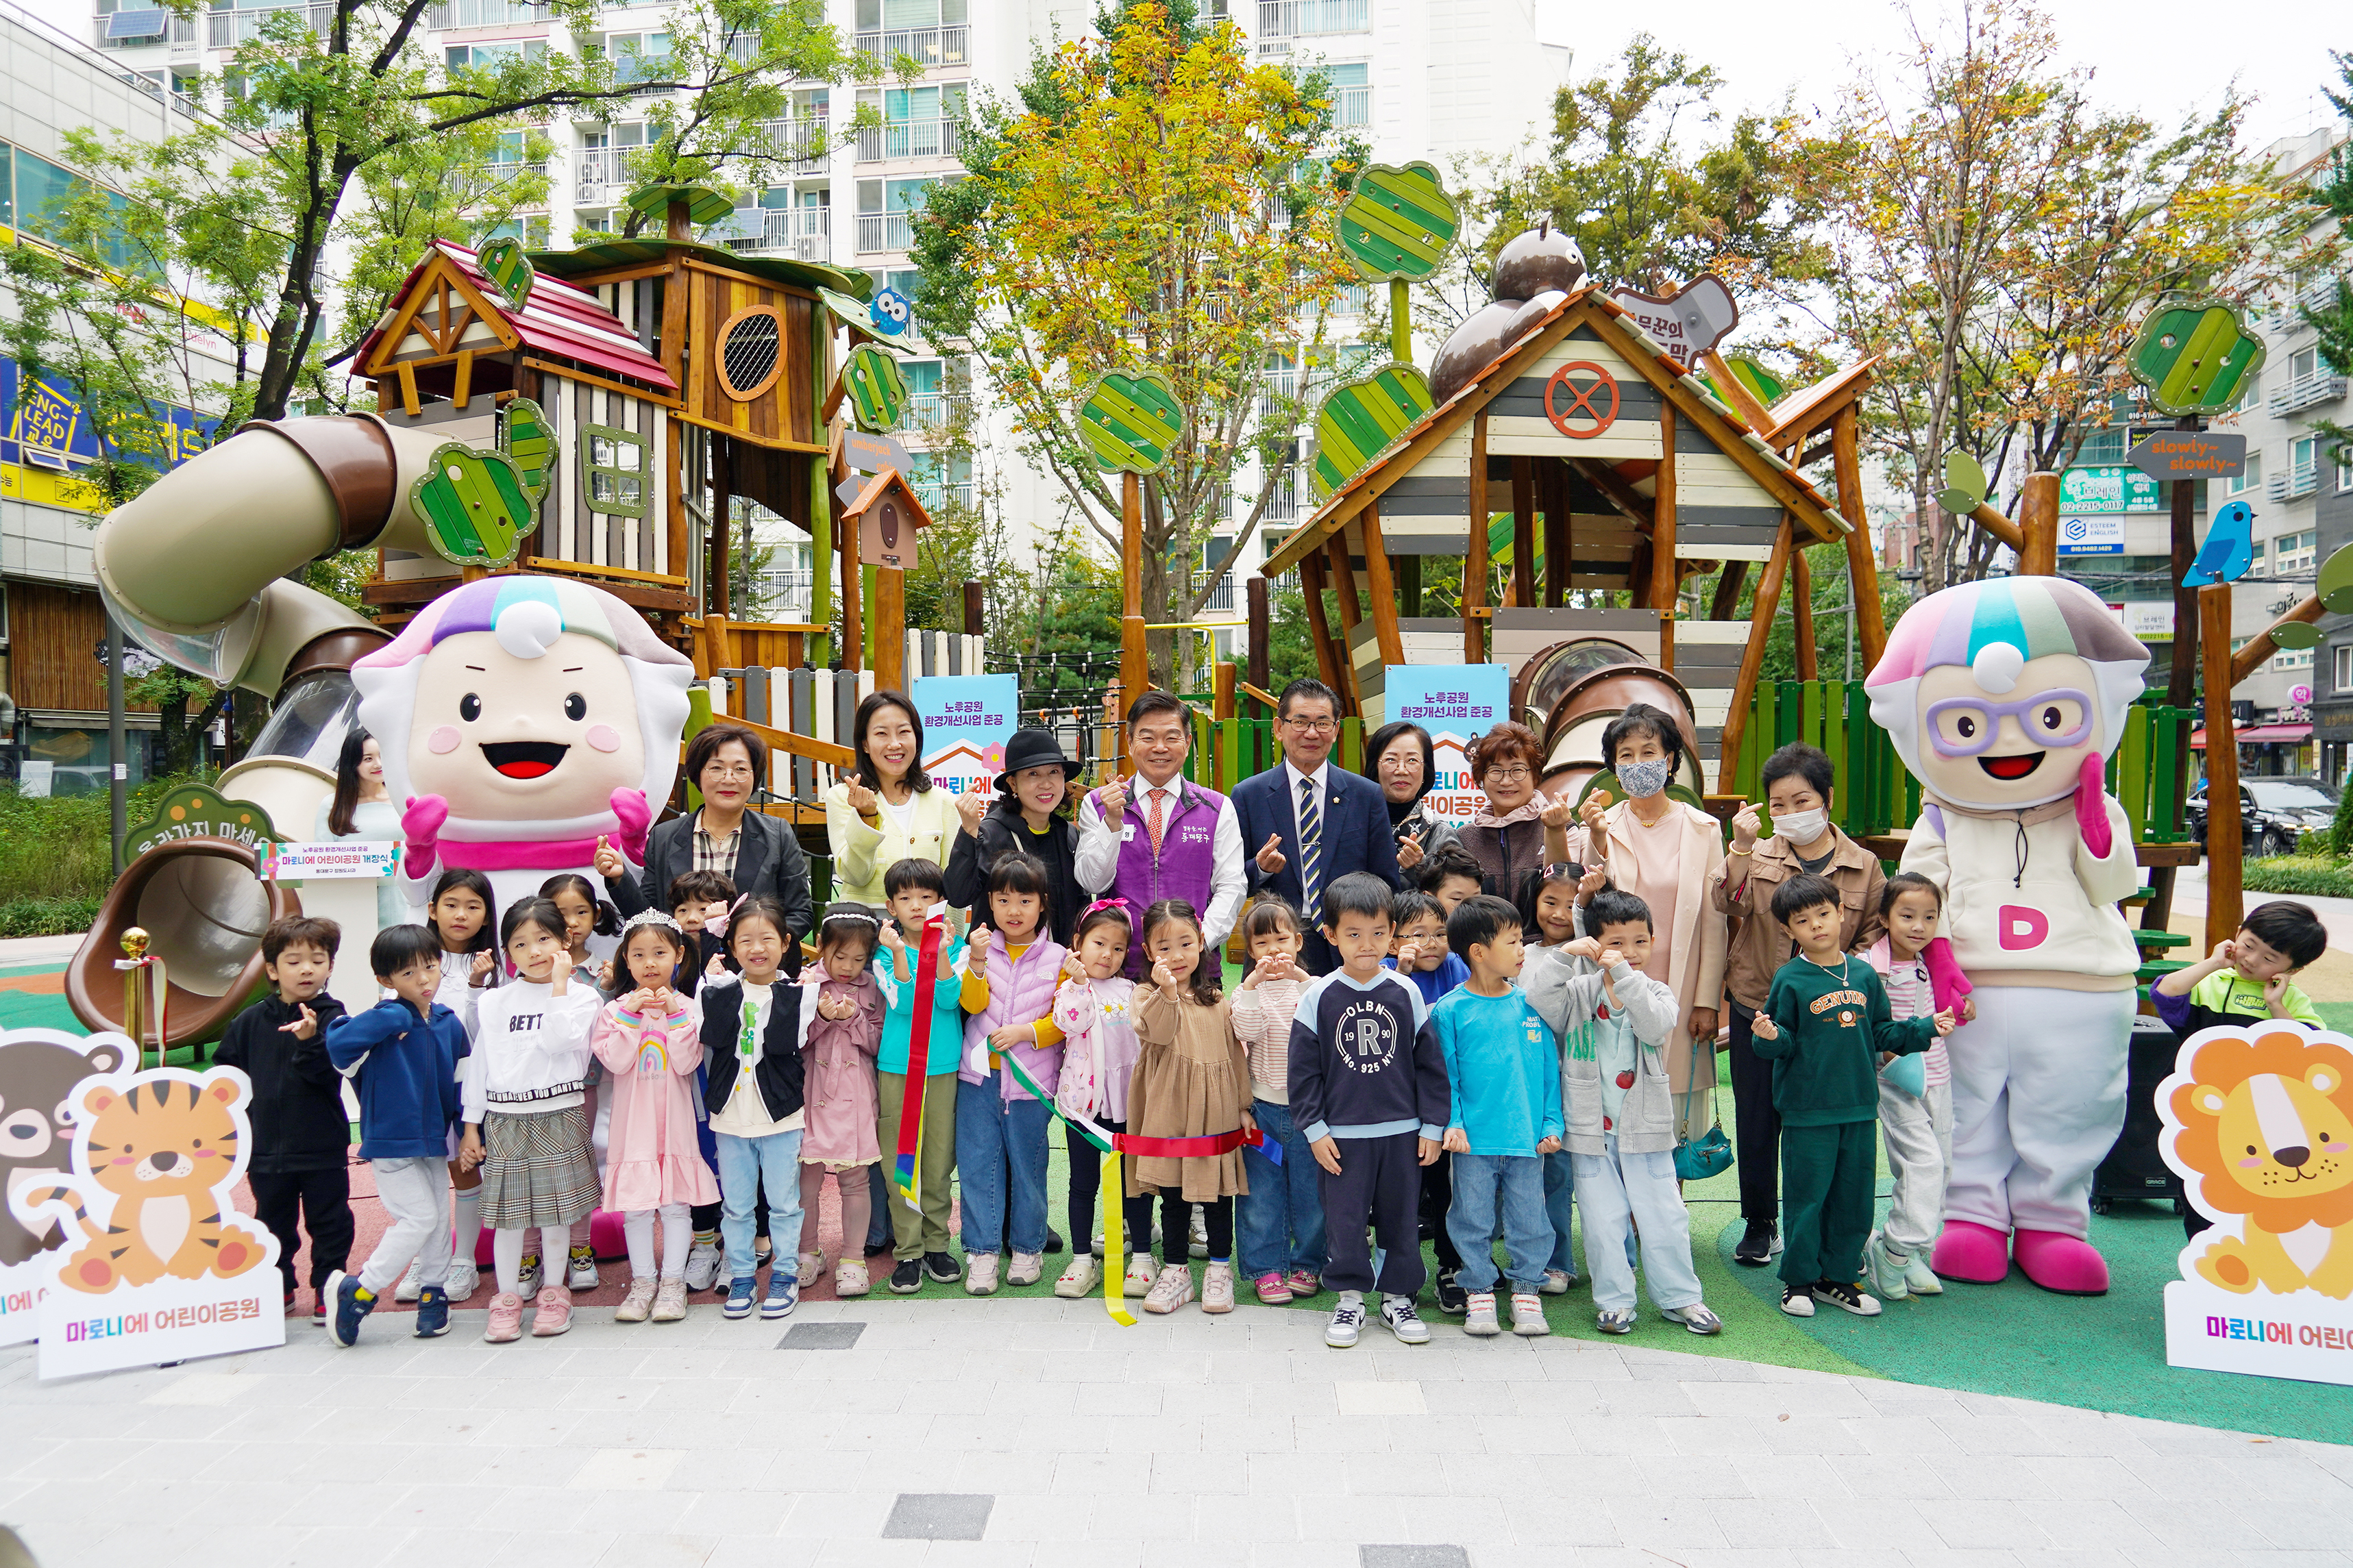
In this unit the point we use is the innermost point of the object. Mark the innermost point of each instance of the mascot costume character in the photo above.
(522, 719)
(2005, 698)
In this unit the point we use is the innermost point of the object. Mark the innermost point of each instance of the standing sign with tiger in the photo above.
(156, 1264)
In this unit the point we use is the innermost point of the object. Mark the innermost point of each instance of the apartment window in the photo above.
(2291, 659)
(616, 464)
(489, 56)
(2250, 477)
(2294, 552)
(2252, 398)
(874, 16)
(1352, 93)
(639, 57)
(2344, 652)
(2345, 468)
(2304, 453)
(2103, 447)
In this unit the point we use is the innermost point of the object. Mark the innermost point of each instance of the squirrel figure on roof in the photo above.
(1533, 272)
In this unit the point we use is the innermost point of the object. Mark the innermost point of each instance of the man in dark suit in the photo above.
(1309, 821)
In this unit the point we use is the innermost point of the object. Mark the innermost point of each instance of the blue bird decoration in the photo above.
(2228, 549)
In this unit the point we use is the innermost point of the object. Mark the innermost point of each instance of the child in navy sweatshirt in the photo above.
(401, 1056)
(1368, 1093)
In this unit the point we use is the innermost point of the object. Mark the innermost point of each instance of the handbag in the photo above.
(1710, 1152)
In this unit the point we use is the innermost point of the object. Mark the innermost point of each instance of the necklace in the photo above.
(1818, 963)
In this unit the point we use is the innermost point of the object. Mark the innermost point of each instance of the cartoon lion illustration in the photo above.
(2265, 1123)
(159, 1148)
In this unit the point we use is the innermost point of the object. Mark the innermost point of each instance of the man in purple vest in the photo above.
(1159, 836)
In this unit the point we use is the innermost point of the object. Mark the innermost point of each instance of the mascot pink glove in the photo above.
(420, 830)
(2092, 806)
(1946, 981)
(635, 818)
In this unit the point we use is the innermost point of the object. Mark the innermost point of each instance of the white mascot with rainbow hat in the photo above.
(2005, 698)
(522, 718)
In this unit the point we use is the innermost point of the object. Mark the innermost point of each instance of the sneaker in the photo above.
(1171, 1291)
(1054, 1242)
(1556, 1282)
(1846, 1297)
(1528, 1315)
(288, 1309)
(1696, 1318)
(412, 1284)
(1025, 1269)
(1884, 1270)
(1796, 1301)
(882, 1249)
(784, 1295)
(1139, 1277)
(740, 1295)
(353, 1305)
(1217, 1288)
(1197, 1235)
(849, 1279)
(940, 1268)
(1347, 1322)
(505, 1325)
(1615, 1320)
(319, 1308)
(1080, 1278)
(1303, 1284)
(432, 1313)
(1479, 1317)
(1406, 1323)
(812, 1265)
(527, 1277)
(907, 1277)
(1759, 1243)
(582, 1274)
(554, 1314)
(702, 1261)
(669, 1301)
(638, 1304)
(1451, 1297)
(462, 1280)
(1919, 1279)
(982, 1279)
(1273, 1290)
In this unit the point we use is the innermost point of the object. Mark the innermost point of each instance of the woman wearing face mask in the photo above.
(1669, 853)
(1797, 781)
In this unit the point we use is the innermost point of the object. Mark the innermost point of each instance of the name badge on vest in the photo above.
(1127, 833)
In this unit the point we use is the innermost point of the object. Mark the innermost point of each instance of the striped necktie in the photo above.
(1311, 847)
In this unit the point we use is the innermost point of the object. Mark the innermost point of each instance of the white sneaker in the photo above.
(1479, 1316)
(1885, 1271)
(1797, 1300)
(1026, 1268)
(527, 1277)
(1528, 1314)
(1919, 1279)
(412, 1284)
(1556, 1282)
(464, 1280)
(583, 1276)
(1079, 1279)
(1347, 1324)
(1198, 1235)
(980, 1277)
(1171, 1291)
(638, 1304)
(1694, 1317)
(1140, 1276)
(1406, 1323)
(702, 1261)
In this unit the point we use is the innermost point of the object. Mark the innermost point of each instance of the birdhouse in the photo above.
(887, 514)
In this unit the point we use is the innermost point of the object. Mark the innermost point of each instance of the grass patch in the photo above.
(47, 917)
(57, 848)
(2311, 876)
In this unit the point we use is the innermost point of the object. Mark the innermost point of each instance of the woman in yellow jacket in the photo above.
(887, 811)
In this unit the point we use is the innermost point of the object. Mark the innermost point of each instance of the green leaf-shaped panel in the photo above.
(876, 388)
(526, 435)
(1131, 421)
(1399, 222)
(2195, 358)
(474, 505)
(1362, 418)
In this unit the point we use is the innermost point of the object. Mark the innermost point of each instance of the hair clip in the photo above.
(1119, 904)
(651, 917)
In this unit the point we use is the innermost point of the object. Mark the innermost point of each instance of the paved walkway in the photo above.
(1008, 1433)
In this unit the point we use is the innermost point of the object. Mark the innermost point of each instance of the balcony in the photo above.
(485, 14)
(930, 410)
(1281, 502)
(146, 30)
(595, 169)
(884, 232)
(228, 29)
(936, 494)
(805, 233)
(2308, 392)
(932, 48)
(1220, 601)
(1312, 18)
(2295, 484)
(1277, 391)
(802, 143)
(907, 139)
(2319, 294)
(1352, 106)
(1352, 300)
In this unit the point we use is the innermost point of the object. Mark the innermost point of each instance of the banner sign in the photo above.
(2256, 1121)
(2095, 535)
(1456, 704)
(156, 1265)
(42, 424)
(39, 1071)
(2102, 487)
(967, 719)
(376, 857)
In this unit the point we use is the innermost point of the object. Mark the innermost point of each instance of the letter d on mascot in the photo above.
(2005, 698)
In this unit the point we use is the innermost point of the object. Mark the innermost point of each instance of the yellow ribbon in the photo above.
(1115, 1242)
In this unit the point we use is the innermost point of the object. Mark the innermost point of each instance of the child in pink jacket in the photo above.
(838, 1091)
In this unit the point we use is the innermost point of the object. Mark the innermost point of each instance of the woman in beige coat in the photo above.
(1666, 853)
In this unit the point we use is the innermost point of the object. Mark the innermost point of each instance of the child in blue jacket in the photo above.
(402, 1058)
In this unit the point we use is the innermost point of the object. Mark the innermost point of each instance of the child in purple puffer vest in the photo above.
(1009, 976)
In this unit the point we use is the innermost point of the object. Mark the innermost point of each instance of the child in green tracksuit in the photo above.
(1826, 1028)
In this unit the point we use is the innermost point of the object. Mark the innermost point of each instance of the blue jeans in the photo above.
(1518, 1180)
(1282, 1215)
(1616, 1187)
(1560, 1188)
(998, 1139)
(742, 1162)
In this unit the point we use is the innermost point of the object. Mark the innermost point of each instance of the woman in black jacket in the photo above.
(1024, 814)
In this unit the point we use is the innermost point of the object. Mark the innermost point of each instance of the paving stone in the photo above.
(938, 1516)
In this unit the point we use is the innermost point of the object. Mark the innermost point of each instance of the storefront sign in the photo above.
(2107, 488)
(2094, 535)
(2150, 620)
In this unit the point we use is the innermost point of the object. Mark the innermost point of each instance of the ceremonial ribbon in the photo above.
(908, 1155)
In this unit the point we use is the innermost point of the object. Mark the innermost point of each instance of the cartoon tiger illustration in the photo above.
(159, 1148)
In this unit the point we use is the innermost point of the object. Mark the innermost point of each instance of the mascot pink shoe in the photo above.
(2060, 1264)
(1968, 1250)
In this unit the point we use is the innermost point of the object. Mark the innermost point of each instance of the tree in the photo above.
(1153, 200)
(1060, 625)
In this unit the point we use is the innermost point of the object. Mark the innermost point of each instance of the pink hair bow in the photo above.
(1119, 904)
(718, 928)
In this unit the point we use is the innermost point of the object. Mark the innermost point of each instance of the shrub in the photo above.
(60, 846)
(2308, 875)
(47, 917)
(2340, 827)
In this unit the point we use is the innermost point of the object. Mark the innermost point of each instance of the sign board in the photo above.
(1687, 323)
(157, 1265)
(373, 858)
(39, 1071)
(2301, 696)
(2095, 535)
(1456, 703)
(194, 811)
(1130, 421)
(2150, 620)
(2108, 487)
(35, 780)
(872, 452)
(2190, 455)
(2257, 1293)
(966, 720)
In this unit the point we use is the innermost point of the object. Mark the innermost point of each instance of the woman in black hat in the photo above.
(1024, 813)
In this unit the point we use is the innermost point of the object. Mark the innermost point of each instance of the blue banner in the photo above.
(967, 719)
(1456, 704)
(42, 424)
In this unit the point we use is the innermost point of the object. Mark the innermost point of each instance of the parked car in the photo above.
(2272, 811)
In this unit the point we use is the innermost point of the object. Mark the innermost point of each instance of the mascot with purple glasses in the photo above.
(2005, 698)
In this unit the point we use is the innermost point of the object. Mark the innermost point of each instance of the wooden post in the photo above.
(1524, 534)
(2182, 679)
(1222, 690)
(1727, 603)
(2038, 526)
(976, 608)
(1135, 662)
(1343, 588)
(1261, 628)
(1319, 626)
(1474, 563)
(1666, 573)
(2224, 892)
(1553, 490)
(1384, 591)
(853, 623)
(1752, 658)
(890, 629)
(1802, 611)
(1862, 562)
(723, 503)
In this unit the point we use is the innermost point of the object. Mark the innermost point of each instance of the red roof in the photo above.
(557, 319)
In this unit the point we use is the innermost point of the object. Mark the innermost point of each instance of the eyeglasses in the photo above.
(1512, 774)
(1966, 726)
(718, 773)
(1313, 726)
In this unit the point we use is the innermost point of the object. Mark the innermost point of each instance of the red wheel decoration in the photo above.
(1582, 382)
